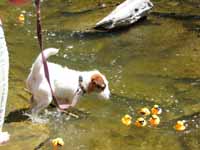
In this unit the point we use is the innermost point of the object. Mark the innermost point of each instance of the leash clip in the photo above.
(81, 87)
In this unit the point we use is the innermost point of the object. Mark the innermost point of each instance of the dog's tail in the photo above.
(38, 62)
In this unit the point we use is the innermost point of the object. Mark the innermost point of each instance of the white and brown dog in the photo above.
(67, 84)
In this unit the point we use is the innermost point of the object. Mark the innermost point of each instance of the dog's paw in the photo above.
(37, 119)
(40, 120)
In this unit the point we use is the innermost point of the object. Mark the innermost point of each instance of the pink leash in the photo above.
(80, 90)
(39, 35)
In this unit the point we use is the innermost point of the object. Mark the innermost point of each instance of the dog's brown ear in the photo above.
(97, 83)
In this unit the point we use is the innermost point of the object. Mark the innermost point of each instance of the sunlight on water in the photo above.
(153, 62)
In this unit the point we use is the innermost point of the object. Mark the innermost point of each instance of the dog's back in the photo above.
(35, 74)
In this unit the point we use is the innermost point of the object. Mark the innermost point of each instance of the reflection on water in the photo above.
(153, 62)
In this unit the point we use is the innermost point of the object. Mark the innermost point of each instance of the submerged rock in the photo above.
(125, 14)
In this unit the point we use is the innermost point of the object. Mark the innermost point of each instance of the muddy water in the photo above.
(153, 62)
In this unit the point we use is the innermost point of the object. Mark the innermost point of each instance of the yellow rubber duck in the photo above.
(21, 18)
(154, 120)
(127, 120)
(156, 110)
(57, 142)
(180, 125)
(140, 122)
(144, 111)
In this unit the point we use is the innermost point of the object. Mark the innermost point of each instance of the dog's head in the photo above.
(99, 84)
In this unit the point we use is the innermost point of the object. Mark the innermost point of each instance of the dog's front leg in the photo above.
(74, 101)
(76, 98)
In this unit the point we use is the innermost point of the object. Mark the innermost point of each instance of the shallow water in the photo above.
(155, 61)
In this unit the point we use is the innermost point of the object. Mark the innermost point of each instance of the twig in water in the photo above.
(42, 144)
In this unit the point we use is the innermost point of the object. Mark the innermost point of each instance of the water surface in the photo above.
(155, 61)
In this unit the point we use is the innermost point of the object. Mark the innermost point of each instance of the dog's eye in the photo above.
(100, 87)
